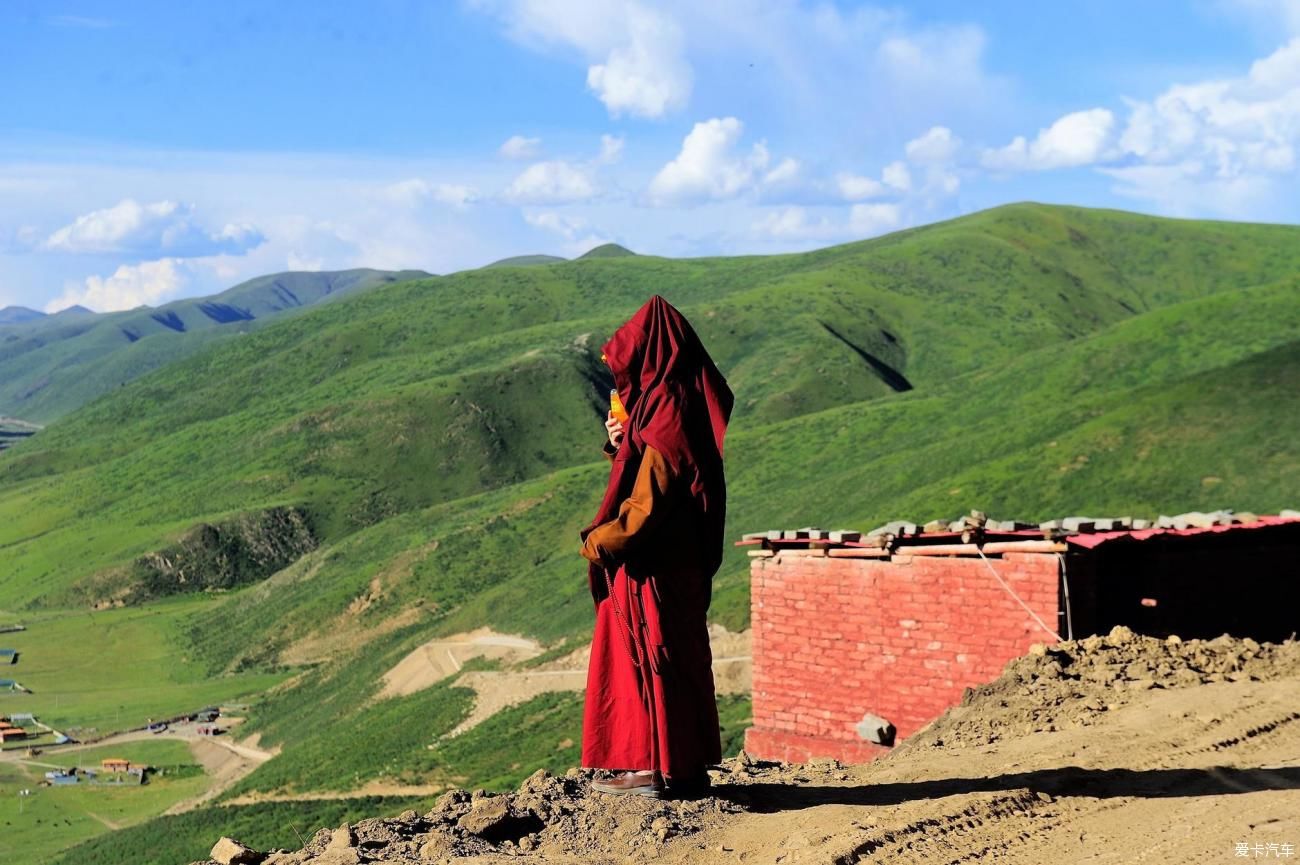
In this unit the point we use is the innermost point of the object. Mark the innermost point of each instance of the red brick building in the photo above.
(899, 624)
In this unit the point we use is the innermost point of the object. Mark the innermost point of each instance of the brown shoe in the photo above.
(631, 784)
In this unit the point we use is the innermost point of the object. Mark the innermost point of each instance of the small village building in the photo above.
(858, 639)
(12, 734)
(115, 764)
(8, 656)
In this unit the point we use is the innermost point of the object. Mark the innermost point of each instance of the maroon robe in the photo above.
(654, 547)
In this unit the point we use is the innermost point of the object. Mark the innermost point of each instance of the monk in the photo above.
(653, 547)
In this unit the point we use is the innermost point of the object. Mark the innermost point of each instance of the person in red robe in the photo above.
(655, 543)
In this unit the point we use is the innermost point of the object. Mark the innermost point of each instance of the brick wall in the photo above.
(835, 638)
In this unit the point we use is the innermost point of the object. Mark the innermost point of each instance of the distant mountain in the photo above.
(527, 261)
(52, 364)
(18, 314)
(607, 250)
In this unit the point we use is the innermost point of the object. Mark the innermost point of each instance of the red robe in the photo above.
(654, 547)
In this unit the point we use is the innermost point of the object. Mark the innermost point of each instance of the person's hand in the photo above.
(614, 428)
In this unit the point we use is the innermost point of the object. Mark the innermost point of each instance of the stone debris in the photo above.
(547, 816)
(1074, 683)
(228, 851)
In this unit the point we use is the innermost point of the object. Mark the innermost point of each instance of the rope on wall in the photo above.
(1065, 588)
(1016, 597)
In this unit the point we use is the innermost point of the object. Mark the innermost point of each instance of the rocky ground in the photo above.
(1109, 749)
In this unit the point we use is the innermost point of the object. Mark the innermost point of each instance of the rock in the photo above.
(1174, 640)
(342, 838)
(295, 858)
(486, 815)
(228, 851)
(1120, 634)
(338, 856)
(1038, 650)
(409, 817)
(437, 848)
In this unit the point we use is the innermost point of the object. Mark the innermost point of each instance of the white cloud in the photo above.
(519, 147)
(574, 229)
(794, 223)
(131, 285)
(298, 261)
(611, 149)
(709, 165)
(897, 175)
(1232, 127)
(854, 187)
(938, 144)
(868, 220)
(786, 172)
(552, 182)
(149, 229)
(636, 52)
(415, 191)
(1076, 139)
(549, 220)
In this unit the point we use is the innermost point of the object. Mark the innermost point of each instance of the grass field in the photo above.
(94, 672)
(52, 819)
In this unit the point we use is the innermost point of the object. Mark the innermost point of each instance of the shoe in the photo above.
(630, 784)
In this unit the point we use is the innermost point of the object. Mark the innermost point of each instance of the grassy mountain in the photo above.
(18, 315)
(50, 365)
(527, 261)
(607, 250)
(442, 435)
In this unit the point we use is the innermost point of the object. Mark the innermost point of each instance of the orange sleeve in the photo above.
(609, 543)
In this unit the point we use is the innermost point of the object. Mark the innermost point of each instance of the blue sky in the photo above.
(150, 151)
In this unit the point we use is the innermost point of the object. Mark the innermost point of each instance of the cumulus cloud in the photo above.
(938, 144)
(415, 191)
(131, 285)
(160, 227)
(519, 147)
(868, 220)
(1230, 127)
(635, 52)
(611, 149)
(559, 223)
(855, 187)
(579, 236)
(1076, 139)
(897, 175)
(552, 182)
(796, 223)
(710, 165)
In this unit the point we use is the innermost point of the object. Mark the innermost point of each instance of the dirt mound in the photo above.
(555, 818)
(1075, 683)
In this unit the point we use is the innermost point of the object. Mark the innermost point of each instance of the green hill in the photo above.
(607, 250)
(441, 438)
(52, 364)
(527, 261)
(18, 315)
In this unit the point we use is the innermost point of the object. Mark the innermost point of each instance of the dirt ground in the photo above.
(1116, 749)
(496, 690)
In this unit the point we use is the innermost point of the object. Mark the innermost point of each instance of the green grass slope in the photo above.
(50, 365)
(444, 434)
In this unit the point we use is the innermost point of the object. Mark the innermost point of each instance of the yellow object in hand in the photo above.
(616, 406)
